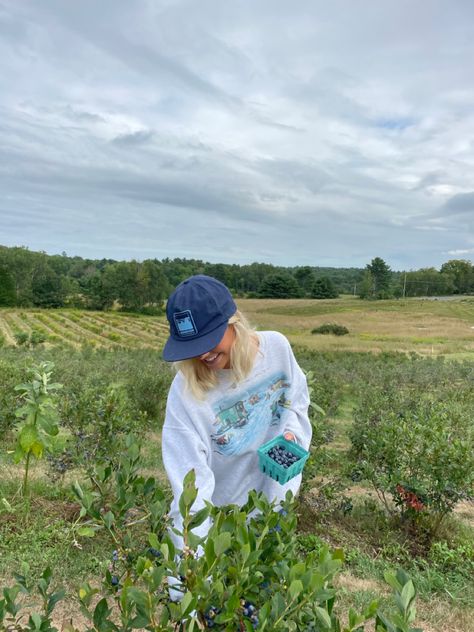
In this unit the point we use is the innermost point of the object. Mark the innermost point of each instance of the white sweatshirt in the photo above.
(219, 436)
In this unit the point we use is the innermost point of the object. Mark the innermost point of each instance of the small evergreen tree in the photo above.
(279, 285)
(305, 278)
(381, 277)
(324, 288)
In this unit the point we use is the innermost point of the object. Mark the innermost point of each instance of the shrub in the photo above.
(37, 337)
(416, 449)
(21, 338)
(246, 574)
(331, 328)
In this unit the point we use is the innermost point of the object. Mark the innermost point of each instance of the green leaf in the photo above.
(153, 541)
(28, 436)
(48, 425)
(198, 518)
(37, 449)
(86, 532)
(187, 603)
(392, 581)
(77, 489)
(35, 621)
(108, 519)
(296, 588)
(209, 551)
(18, 454)
(221, 543)
(101, 613)
(324, 617)
(407, 595)
(53, 600)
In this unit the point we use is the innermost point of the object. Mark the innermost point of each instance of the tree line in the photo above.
(36, 279)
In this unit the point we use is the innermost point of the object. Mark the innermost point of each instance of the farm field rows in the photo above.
(76, 328)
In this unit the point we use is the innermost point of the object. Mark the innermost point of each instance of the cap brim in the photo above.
(176, 350)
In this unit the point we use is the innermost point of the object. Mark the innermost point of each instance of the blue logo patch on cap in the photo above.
(185, 323)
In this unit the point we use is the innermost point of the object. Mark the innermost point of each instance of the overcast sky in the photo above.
(296, 133)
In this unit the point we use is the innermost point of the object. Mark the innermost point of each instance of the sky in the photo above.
(293, 133)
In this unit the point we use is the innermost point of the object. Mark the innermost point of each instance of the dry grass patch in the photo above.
(426, 327)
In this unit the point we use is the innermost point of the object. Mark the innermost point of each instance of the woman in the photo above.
(234, 390)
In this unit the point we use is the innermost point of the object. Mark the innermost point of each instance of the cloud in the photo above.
(460, 204)
(236, 131)
(460, 251)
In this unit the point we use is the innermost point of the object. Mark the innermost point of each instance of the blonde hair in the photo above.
(200, 379)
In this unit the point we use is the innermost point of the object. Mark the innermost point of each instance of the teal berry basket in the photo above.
(273, 469)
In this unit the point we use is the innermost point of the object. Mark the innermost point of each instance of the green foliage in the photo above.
(376, 283)
(324, 288)
(38, 417)
(7, 287)
(305, 278)
(282, 285)
(118, 500)
(425, 282)
(44, 280)
(331, 328)
(12, 612)
(21, 337)
(37, 337)
(46, 286)
(461, 273)
(417, 449)
(246, 574)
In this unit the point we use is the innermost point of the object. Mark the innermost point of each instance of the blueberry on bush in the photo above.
(210, 615)
(250, 611)
(154, 552)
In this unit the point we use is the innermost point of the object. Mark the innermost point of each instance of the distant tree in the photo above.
(47, 287)
(99, 290)
(21, 264)
(279, 285)
(324, 288)
(381, 278)
(366, 286)
(305, 278)
(424, 282)
(7, 287)
(462, 272)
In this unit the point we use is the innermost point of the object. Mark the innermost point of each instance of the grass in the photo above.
(423, 326)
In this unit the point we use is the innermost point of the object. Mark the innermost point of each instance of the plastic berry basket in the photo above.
(273, 469)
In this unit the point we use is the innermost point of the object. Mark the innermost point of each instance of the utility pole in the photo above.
(355, 286)
(404, 284)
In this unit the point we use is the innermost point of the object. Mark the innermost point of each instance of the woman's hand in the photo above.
(289, 436)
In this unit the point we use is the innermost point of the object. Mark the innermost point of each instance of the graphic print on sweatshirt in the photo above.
(244, 418)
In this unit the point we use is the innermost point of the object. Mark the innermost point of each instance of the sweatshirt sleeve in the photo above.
(184, 449)
(296, 419)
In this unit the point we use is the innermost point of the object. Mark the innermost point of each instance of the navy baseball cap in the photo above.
(198, 312)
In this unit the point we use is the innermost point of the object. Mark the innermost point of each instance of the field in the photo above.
(109, 362)
(427, 327)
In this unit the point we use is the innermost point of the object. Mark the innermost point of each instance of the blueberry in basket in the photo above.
(282, 456)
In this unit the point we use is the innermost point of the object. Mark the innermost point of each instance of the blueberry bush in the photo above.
(417, 450)
(246, 574)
